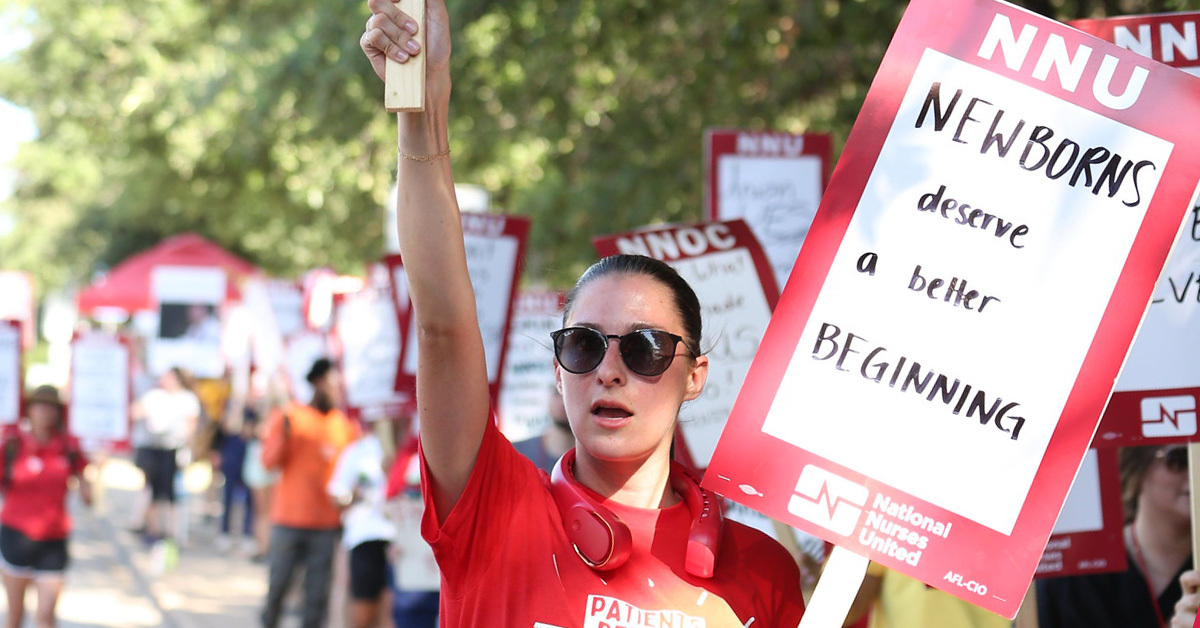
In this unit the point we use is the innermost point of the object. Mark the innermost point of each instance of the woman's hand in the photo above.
(389, 35)
(1185, 608)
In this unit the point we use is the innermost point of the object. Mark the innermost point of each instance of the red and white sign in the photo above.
(724, 264)
(300, 352)
(18, 303)
(1089, 537)
(1168, 38)
(529, 366)
(10, 372)
(991, 237)
(495, 246)
(368, 334)
(771, 179)
(101, 390)
(1155, 400)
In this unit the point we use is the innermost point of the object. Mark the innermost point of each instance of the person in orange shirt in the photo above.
(303, 442)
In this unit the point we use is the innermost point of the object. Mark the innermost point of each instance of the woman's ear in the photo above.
(697, 376)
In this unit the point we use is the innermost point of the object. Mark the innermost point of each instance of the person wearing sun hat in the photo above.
(38, 460)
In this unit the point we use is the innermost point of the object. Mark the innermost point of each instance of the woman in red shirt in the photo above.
(617, 535)
(38, 459)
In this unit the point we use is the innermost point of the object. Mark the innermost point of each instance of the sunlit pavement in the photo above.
(113, 580)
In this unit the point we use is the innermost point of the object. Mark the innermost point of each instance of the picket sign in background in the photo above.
(1156, 397)
(18, 303)
(929, 385)
(300, 351)
(771, 179)
(367, 332)
(184, 286)
(495, 247)
(1088, 537)
(10, 372)
(529, 365)
(101, 390)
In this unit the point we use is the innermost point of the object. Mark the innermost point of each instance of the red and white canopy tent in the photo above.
(128, 285)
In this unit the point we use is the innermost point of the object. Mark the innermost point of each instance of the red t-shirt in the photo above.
(35, 496)
(506, 561)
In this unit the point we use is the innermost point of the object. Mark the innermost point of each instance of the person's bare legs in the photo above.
(48, 589)
(365, 613)
(14, 589)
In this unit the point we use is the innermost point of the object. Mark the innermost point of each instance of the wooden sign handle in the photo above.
(404, 83)
(1194, 478)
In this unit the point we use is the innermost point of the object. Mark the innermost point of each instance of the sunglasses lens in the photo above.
(579, 349)
(1176, 458)
(648, 352)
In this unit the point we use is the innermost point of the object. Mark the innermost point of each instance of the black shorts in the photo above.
(26, 558)
(159, 466)
(368, 570)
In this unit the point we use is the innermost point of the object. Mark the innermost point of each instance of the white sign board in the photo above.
(189, 328)
(100, 389)
(529, 368)
(10, 372)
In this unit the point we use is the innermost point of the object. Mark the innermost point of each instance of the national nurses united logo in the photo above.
(1165, 417)
(828, 500)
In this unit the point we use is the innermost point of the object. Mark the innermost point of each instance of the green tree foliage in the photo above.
(258, 123)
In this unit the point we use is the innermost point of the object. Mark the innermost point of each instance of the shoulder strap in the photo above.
(12, 444)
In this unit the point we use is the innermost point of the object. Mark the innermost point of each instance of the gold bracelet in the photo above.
(445, 153)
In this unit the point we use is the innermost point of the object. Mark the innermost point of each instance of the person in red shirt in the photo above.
(38, 459)
(616, 535)
(303, 442)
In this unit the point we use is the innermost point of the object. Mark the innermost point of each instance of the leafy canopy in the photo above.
(259, 124)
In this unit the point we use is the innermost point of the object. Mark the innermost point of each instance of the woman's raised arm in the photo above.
(452, 393)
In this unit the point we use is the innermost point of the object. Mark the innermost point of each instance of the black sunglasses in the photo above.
(647, 352)
(1176, 458)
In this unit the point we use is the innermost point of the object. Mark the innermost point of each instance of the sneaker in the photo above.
(164, 557)
(223, 544)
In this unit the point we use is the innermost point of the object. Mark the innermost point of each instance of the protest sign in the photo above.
(300, 352)
(10, 372)
(1169, 38)
(528, 386)
(1089, 534)
(772, 180)
(368, 335)
(1155, 399)
(725, 265)
(495, 247)
(18, 303)
(101, 389)
(399, 283)
(189, 330)
(974, 277)
(275, 312)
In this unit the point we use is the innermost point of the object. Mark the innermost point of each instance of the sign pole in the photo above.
(836, 590)
(1027, 616)
(404, 83)
(1194, 478)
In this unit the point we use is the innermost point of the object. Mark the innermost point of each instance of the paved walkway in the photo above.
(112, 581)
